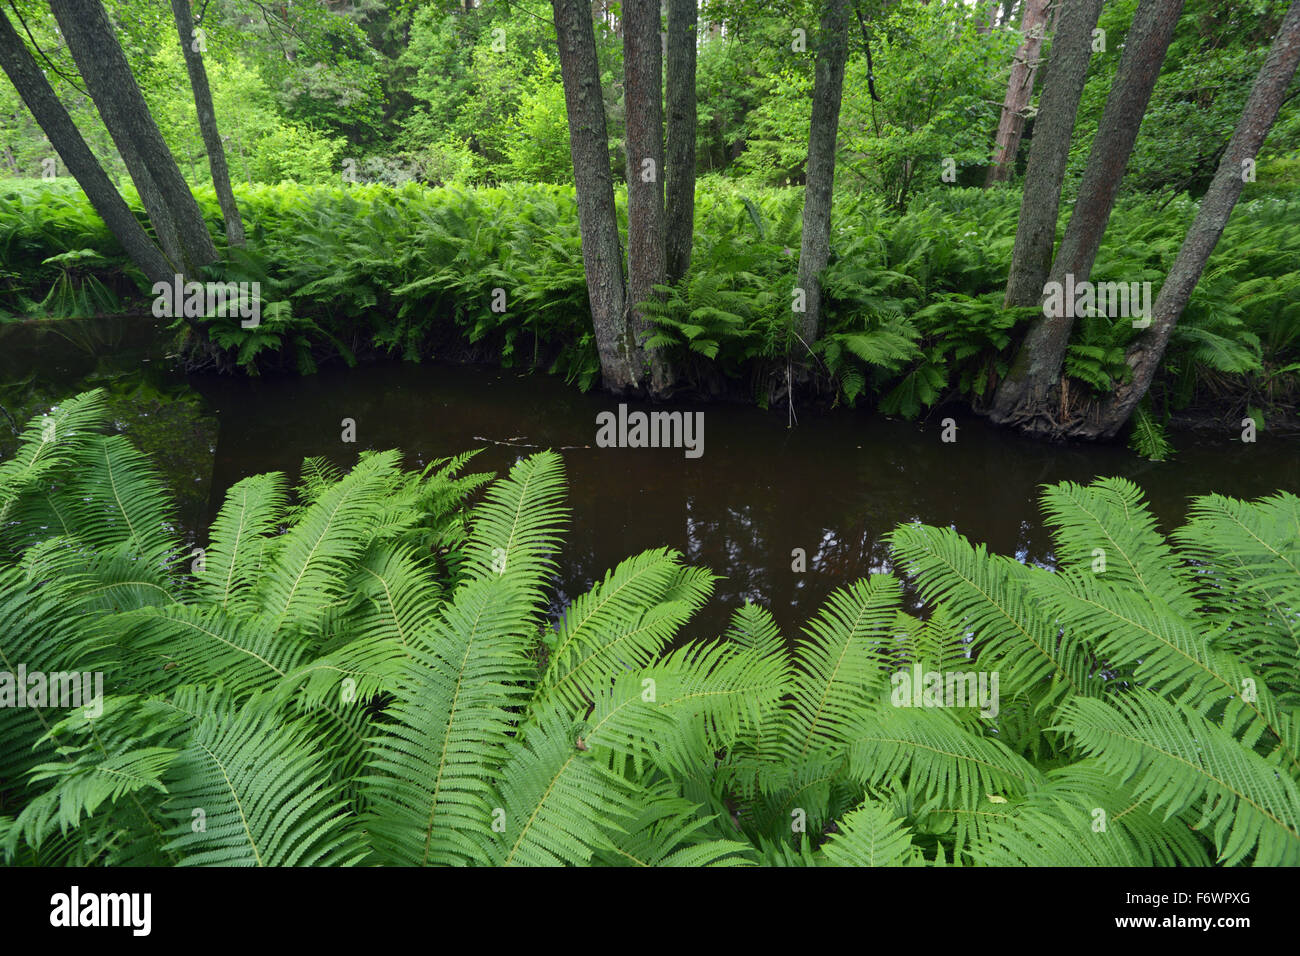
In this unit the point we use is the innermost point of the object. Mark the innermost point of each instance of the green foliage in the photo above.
(1206, 77)
(941, 84)
(1148, 436)
(323, 686)
(261, 145)
(537, 147)
(913, 301)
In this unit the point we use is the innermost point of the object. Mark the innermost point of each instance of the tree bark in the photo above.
(208, 123)
(103, 66)
(1020, 88)
(1049, 152)
(1028, 396)
(644, 132)
(589, 148)
(828, 86)
(66, 139)
(152, 200)
(1144, 355)
(680, 233)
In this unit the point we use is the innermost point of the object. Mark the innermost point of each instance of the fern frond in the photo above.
(263, 793)
(988, 595)
(869, 836)
(1178, 761)
(234, 557)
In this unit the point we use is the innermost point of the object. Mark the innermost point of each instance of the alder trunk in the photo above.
(108, 78)
(643, 96)
(828, 87)
(1030, 396)
(191, 47)
(602, 256)
(680, 227)
(1049, 152)
(1144, 356)
(40, 98)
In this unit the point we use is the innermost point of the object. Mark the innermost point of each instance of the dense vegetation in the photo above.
(455, 115)
(861, 203)
(914, 300)
(356, 670)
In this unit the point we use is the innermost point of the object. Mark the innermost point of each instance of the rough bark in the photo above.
(36, 92)
(107, 75)
(1144, 355)
(1028, 396)
(644, 132)
(208, 123)
(828, 86)
(154, 205)
(589, 148)
(1020, 88)
(680, 226)
(1049, 152)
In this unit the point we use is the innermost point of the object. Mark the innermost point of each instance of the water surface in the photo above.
(834, 485)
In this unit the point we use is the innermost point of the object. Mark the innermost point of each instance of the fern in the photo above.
(323, 691)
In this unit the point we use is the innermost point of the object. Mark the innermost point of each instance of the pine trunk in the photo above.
(1020, 89)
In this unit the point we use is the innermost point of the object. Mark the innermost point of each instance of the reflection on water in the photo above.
(833, 486)
(42, 363)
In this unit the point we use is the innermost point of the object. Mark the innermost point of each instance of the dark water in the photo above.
(834, 485)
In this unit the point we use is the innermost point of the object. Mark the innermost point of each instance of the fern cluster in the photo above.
(358, 670)
(913, 301)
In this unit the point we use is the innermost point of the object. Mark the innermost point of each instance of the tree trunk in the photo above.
(1049, 152)
(589, 147)
(152, 200)
(682, 22)
(66, 139)
(644, 132)
(1028, 397)
(208, 122)
(103, 66)
(1144, 355)
(828, 85)
(1020, 90)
